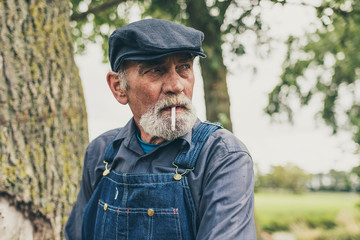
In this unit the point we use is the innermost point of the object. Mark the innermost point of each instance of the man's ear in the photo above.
(114, 83)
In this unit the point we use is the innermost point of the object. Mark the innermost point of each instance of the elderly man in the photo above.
(166, 174)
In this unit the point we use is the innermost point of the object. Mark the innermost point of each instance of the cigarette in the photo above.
(173, 118)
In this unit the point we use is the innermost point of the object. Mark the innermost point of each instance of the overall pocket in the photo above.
(137, 223)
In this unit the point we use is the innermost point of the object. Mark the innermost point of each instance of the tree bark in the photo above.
(213, 70)
(43, 123)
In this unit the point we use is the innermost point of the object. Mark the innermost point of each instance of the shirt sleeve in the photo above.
(227, 204)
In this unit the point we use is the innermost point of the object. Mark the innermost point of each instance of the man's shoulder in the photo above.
(226, 142)
(103, 140)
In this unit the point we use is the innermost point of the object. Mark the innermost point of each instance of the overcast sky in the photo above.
(307, 143)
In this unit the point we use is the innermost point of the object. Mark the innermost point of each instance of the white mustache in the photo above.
(173, 100)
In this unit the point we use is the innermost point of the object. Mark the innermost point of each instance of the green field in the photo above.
(312, 211)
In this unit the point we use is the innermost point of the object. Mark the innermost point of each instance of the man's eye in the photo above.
(153, 70)
(185, 66)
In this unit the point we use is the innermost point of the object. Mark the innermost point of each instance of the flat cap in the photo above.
(151, 39)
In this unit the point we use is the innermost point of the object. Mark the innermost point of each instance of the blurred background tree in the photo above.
(325, 68)
(288, 177)
(43, 119)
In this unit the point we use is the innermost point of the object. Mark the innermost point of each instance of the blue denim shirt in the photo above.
(222, 182)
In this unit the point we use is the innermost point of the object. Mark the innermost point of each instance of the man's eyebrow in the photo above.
(157, 62)
(187, 58)
(146, 64)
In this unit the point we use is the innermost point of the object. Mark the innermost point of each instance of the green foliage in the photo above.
(164, 9)
(288, 177)
(93, 21)
(336, 181)
(356, 170)
(294, 179)
(327, 65)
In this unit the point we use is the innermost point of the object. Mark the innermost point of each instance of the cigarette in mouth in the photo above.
(173, 118)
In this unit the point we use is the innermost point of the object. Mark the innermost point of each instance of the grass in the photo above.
(279, 211)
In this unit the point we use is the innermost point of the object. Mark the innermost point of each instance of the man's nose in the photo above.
(173, 83)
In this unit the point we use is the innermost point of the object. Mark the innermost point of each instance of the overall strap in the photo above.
(199, 137)
(112, 149)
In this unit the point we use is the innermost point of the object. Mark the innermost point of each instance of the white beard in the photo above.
(159, 125)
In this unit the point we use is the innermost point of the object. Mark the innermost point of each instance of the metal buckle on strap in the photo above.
(107, 170)
(177, 175)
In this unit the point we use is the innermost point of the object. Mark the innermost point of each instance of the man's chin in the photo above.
(162, 129)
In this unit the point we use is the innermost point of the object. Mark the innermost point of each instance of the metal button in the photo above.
(150, 212)
(177, 177)
(105, 206)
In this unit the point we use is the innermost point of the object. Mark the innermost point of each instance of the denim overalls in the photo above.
(145, 206)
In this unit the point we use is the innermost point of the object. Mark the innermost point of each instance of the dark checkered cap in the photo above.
(151, 39)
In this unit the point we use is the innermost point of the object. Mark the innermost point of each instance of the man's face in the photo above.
(168, 81)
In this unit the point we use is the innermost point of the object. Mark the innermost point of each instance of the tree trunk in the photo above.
(213, 69)
(43, 123)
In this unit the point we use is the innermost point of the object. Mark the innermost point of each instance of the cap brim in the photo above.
(143, 57)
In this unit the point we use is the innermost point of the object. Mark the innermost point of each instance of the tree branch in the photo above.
(224, 6)
(95, 9)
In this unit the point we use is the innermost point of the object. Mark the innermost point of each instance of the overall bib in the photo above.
(145, 206)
